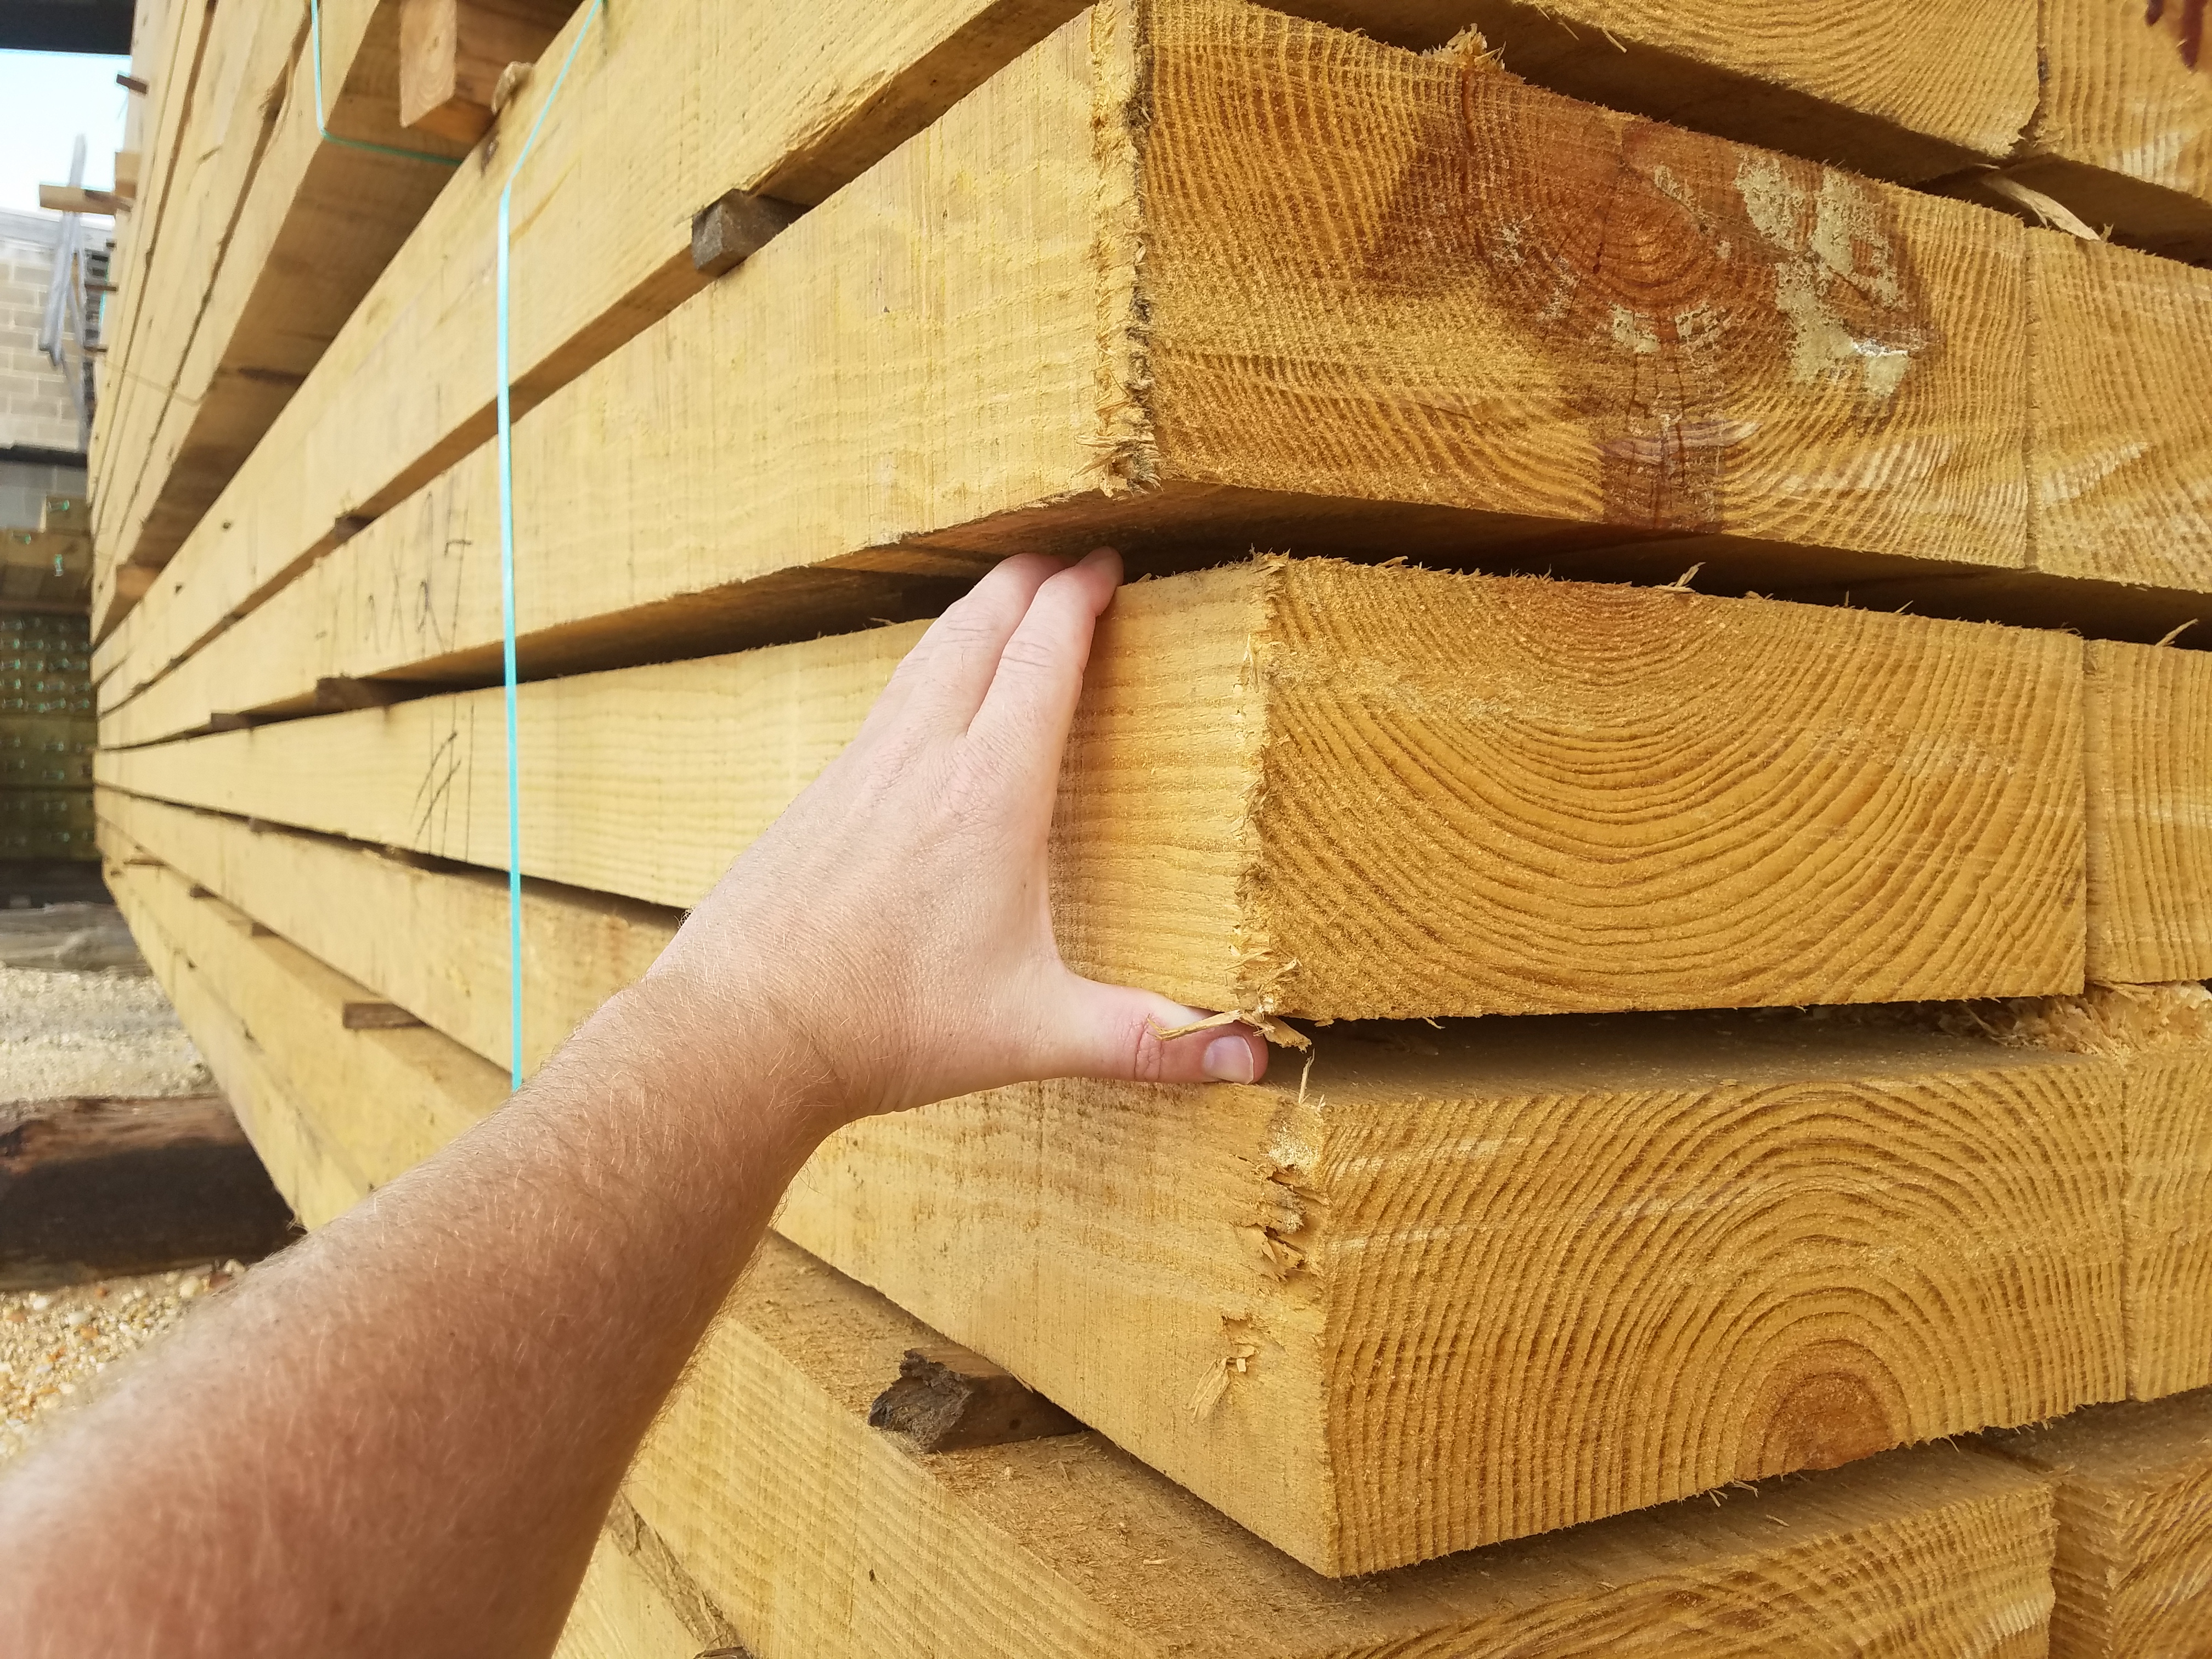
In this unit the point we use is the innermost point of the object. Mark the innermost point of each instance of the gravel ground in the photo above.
(53, 1343)
(90, 1019)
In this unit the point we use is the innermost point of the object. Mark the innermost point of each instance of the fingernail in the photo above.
(1229, 1060)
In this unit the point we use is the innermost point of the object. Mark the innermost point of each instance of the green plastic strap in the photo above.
(322, 123)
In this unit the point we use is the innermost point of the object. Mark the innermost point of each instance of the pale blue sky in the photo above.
(47, 98)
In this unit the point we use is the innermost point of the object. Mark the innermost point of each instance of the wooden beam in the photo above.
(1561, 797)
(73, 198)
(2160, 1035)
(266, 252)
(318, 1181)
(1892, 90)
(2124, 133)
(388, 1097)
(804, 1352)
(432, 940)
(1487, 1280)
(1000, 1552)
(2148, 779)
(1068, 1547)
(637, 1602)
(985, 406)
(2118, 433)
(453, 53)
(599, 240)
(90, 1188)
(2132, 1485)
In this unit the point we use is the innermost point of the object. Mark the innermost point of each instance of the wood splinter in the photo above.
(731, 229)
(948, 1399)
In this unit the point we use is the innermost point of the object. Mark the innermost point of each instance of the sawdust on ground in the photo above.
(53, 1343)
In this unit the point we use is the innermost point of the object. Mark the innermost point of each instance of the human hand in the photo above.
(894, 922)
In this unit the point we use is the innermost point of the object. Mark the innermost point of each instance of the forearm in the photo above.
(573, 1247)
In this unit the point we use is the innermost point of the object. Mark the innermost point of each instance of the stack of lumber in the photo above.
(1667, 660)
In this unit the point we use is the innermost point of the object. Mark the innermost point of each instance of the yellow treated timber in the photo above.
(2169, 1221)
(318, 1181)
(296, 231)
(1342, 791)
(434, 941)
(1488, 1280)
(2160, 1037)
(431, 940)
(1192, 274)
(619, 1614)
(1898, 91)
(2132, 1487)
(637, 1602)
(814, 1533)
(2124, 133)
(791, 103)
(2148, 778)
(822, 1536)
(384, 1103)
(2121, 421)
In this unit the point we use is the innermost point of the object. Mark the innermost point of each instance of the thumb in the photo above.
(1114, 1031)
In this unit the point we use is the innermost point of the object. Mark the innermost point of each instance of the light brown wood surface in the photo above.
(432, 940)
(287, 232)
(2123, 132)
(1898, 91)
(599, 246)
(1539, 1273)
(386, 1099)
(435, 940)
(1337, 790)
(619, 1614)
(2148, 777)
(2121, 423)
(453, 53)
(2133, 1489)
(2160, 1037)
(1002, 1550)
(1386, 323)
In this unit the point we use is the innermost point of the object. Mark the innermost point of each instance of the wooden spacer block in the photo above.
(949, 1399)
(376, 1016)
(734, 227)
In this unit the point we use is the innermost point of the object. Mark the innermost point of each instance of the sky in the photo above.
(47, 98)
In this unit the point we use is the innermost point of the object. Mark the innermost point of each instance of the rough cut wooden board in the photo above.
(434, 941)
(1068, 1547)
(2120, 420)
(1945, 1543)
(2148, 779)
(429, 938)
(1898, 91)
(300, 230)
(2124, 133)
(270, 1020)
(600, 244)
(2162, 1037)
(1539, 1273)
(2120, 514)
(2133, 1489)
(1341, 791)
(1374, 309)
